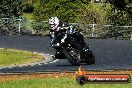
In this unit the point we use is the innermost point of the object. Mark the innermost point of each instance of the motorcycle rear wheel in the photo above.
(90, 58)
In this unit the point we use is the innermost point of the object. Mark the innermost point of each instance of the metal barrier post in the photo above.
(93, 30)
(19, 25)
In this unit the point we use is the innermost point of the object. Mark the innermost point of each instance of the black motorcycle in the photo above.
(74, 51)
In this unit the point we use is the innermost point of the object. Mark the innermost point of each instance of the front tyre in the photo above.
(72, 55)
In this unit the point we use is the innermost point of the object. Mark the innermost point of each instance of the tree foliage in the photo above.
(121, 12)
(68, 10)
(83, 12)
(96, 13)
(28, 7)
(123, 5)
(10, 8)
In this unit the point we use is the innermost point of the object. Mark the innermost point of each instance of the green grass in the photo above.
(28, 24)
(13, 57)
(64, 82)
(28, 16)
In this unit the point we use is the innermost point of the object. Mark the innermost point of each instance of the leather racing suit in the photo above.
(56, 37)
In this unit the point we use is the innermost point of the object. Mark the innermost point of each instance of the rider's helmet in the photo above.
(53, 23)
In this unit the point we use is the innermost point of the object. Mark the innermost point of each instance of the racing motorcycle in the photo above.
(74, 51)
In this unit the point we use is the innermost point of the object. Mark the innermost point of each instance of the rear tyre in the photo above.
(90, 58)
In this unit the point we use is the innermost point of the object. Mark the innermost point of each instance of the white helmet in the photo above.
(53, 23)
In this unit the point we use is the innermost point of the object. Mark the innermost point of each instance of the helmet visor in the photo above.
(52, 26)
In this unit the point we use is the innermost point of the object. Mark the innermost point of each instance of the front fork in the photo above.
(86, 48)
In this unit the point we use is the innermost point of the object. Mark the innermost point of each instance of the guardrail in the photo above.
(89, 30)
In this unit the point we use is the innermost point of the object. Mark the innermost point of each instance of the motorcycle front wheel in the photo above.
(73, 55)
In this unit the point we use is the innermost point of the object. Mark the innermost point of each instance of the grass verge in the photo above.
(15, 57)
(59, 80)
(28, 16)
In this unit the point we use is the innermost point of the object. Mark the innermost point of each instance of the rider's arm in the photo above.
(71, 30)
(52, 35)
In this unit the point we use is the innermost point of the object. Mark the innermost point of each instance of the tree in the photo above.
(121, 12)
(123, 5)
(68, 10)
(10, 8)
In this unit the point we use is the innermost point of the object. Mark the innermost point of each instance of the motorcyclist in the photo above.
(57, 30)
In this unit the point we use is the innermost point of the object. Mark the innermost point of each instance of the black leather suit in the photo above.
(56, 37)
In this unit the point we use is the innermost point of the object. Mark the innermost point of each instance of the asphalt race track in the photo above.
(109, 54)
